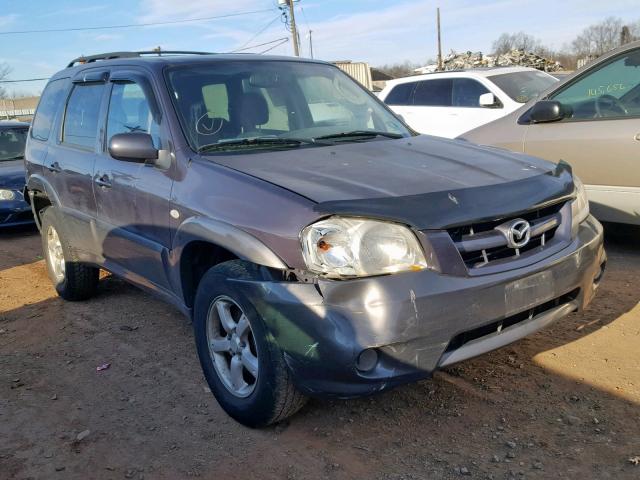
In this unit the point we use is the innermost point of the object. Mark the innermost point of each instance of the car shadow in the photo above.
(501, 406)
(27, 235)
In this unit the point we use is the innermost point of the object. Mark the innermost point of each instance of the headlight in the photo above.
(7, 194)
(580, 206)
(352, 247)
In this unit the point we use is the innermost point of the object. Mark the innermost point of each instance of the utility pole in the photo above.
(310, 44)
(440, 66)
(294, 31)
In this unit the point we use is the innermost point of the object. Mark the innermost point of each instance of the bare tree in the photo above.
(5, 70)
(634, 29)
(598, 38)
(398, 70)
(516, 41)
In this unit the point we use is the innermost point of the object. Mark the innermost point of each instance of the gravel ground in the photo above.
(563, 403)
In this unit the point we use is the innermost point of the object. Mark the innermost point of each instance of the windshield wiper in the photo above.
(19, 157)
(257, 141)
(360, 133)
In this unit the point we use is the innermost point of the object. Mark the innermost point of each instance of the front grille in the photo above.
(481, 244)
(496, 327)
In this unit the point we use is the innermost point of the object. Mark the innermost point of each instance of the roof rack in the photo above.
(113, 55)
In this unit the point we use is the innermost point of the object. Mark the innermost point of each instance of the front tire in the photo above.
(72, 280)
(243, 365)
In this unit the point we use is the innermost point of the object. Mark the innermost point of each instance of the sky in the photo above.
(374, 31)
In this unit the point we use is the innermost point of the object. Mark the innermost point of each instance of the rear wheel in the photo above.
(72, 280)
(241, 361)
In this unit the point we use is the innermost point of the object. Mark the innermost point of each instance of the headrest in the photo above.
(253, 110)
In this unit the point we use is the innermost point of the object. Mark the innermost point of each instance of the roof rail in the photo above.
(113, 55)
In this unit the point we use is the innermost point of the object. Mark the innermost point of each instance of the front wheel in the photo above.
(243, 365)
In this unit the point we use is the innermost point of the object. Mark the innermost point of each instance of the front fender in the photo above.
(242, 244)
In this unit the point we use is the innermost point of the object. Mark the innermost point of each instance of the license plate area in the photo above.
(526, 293)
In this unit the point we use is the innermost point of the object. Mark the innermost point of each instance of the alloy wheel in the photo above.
(232, 347)
(55, 255)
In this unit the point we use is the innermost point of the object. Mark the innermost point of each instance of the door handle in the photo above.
(103, 181)
(54, 167)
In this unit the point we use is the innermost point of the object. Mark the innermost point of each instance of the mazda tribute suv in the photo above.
(320, 246)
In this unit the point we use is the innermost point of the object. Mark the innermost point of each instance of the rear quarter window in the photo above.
(51, 100)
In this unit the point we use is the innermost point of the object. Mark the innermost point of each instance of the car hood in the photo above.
(400, 179)
(386, 168)
(12, 174)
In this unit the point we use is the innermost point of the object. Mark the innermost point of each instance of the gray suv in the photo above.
(319, 245)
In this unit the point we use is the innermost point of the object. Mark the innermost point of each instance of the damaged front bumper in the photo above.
(417, 322)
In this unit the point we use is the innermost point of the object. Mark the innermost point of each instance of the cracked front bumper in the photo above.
(418, 322)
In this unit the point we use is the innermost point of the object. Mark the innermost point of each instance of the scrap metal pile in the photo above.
(458, 61)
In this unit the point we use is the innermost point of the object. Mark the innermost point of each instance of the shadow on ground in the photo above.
(518, 412)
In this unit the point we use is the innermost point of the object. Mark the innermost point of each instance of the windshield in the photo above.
(12, 141)
(223, 103)
(523, 86)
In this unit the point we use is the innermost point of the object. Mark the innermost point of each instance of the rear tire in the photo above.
(72, 280)
(264, 393)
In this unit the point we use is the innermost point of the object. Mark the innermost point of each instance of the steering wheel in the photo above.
(611, 103)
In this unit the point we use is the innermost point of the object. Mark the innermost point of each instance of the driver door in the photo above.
(601, 137)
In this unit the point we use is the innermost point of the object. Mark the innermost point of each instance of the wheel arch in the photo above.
(200, 244)
(40, 194)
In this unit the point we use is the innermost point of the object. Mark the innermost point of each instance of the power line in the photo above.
(25, 80)
(284, 40)
(134, 25)
(260, 44)
(257, 34)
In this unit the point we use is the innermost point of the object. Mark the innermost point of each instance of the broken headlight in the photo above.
(353, 247)
(580, 206)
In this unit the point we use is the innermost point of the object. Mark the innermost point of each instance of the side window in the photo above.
(433, 93)
(612, 90)
(129, 111)
(400, 95)
(51, 99)
(82, 115)
(466, 92)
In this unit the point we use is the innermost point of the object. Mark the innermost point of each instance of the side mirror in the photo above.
(547, 111)
(488, 100)
(133, 147)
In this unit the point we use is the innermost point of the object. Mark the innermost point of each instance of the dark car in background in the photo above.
(320, 246)
(14, 210)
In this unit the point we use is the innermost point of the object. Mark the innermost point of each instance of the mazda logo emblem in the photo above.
(517, 232)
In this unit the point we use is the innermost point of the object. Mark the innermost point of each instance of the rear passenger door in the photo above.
(431, 107)
(400, 100)
(69, 166)
(133, 198)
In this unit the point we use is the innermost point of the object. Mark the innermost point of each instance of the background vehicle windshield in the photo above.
(12, 142)
(226, 101)
(523, 86)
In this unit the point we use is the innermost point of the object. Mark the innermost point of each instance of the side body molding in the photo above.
(237, 241)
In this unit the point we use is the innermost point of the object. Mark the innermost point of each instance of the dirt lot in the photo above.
(564, 403)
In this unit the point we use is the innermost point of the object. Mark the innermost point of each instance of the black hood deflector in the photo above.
(452, 208)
